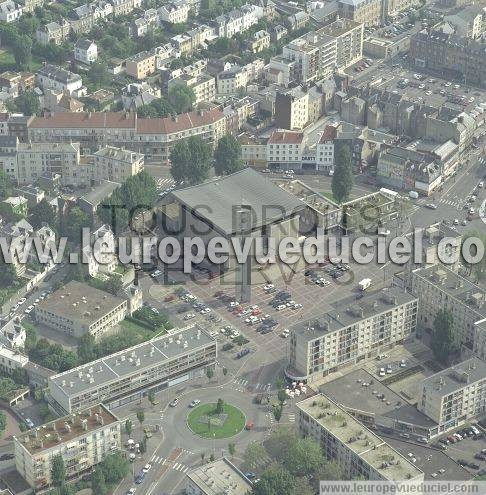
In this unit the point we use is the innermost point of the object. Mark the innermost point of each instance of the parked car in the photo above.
(195, 403)
(174, 402)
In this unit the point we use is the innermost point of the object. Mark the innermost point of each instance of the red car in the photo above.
(256, 312)
(218, 293)
(169, 298)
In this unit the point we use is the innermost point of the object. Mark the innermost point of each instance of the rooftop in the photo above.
(134, 359)
(376, 399)
(85, 120)
(219, 477)
(118, 154)
(340, 27)
(269, 202)
(65, 429)
(456, 377)
(79, 302)
(363, 442)
(286, 137)
(349, 311)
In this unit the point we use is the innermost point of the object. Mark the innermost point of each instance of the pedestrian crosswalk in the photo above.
(260, 387)
(291, 418)
(164, 183)
(177, 466)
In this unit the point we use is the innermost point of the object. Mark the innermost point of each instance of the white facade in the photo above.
(86, 52)
(116, 164)
(52, 77)
(10, 11)
(174, 12)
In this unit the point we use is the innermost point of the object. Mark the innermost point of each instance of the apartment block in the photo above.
(455, 395)
(37, 159)
(356, 449)
(141, 65)
(232, 81)
(53, 77)
(325, 149)
(368, 12)
(77, 309)
(126, 376)
(174, 12)
(83, 440)
(351, 332)
(116, 164)
(349, 41)
(285, 148)
(438, 287)
(292, 109)
(203, 85)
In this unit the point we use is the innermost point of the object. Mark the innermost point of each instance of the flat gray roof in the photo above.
(80, 302)
(134, 359)
(350, 393)
(215, 200)
(456, 377)
(350, 310)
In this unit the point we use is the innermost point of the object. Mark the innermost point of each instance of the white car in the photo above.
(431, 206)
(195, 403)
(21, 301)
(383, 232)
(15, 307)
(382, 372)
(156, 274)
(29, 310)
(268, 287)
(189, 316)
(146, 468)
(281, 307)
(233, 304)
(205, 311)
(155, 310)
(285, 333)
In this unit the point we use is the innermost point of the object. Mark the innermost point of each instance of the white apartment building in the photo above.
(292, 109)
(10, 11)
(11, 360)
(346, 335)
(232, 81)
(349, 41)
(355, 448)
(77, 309)
(124, 7)
(85, 51)
(325, 149)
(203, 85)
(238, 20)
(104, 260)
(37, 159)
(83, 441)
(174, 12)
(306, 58)
(455, 395)
(18, 234)
(126, 376)
(285, 149)
(438, 287)
(116, 164)
(53, 77)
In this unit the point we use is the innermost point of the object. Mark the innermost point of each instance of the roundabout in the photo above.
(206, 421)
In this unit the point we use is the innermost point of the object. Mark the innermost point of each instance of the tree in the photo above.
(156, 108)
(8, 275)
(211, 458)
(75, 220)
(113, 284)
(143, 445)
(209, 373)
(97, 73)
(41, 213)
(478, 270)
(22, 51)
(219, 406)
(232, 449)
(86, 347)
(203, 455)
(442, 342)
(28, 103)
(140, 417)
(275, 481)
(254, 455)
(328, 471)
(303, 458)
(114, 468)
(5, 185)
(128, 427)
(342, 180)
(3, 422)
(182, 98)
(190, 160)
(279, 442)
(225, 371)
(282, 396)
(151, 396)
(277, 412)
(98, 484)
(58, 470)
(227, 156)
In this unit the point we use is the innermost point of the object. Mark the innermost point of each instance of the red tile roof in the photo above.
(182, 122)
(329, 134)
(286, 137)
(98, 120)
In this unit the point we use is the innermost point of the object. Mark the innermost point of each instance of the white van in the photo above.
(413, 194)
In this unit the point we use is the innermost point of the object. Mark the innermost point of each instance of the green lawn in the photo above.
(234, 423)
(132, 327)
